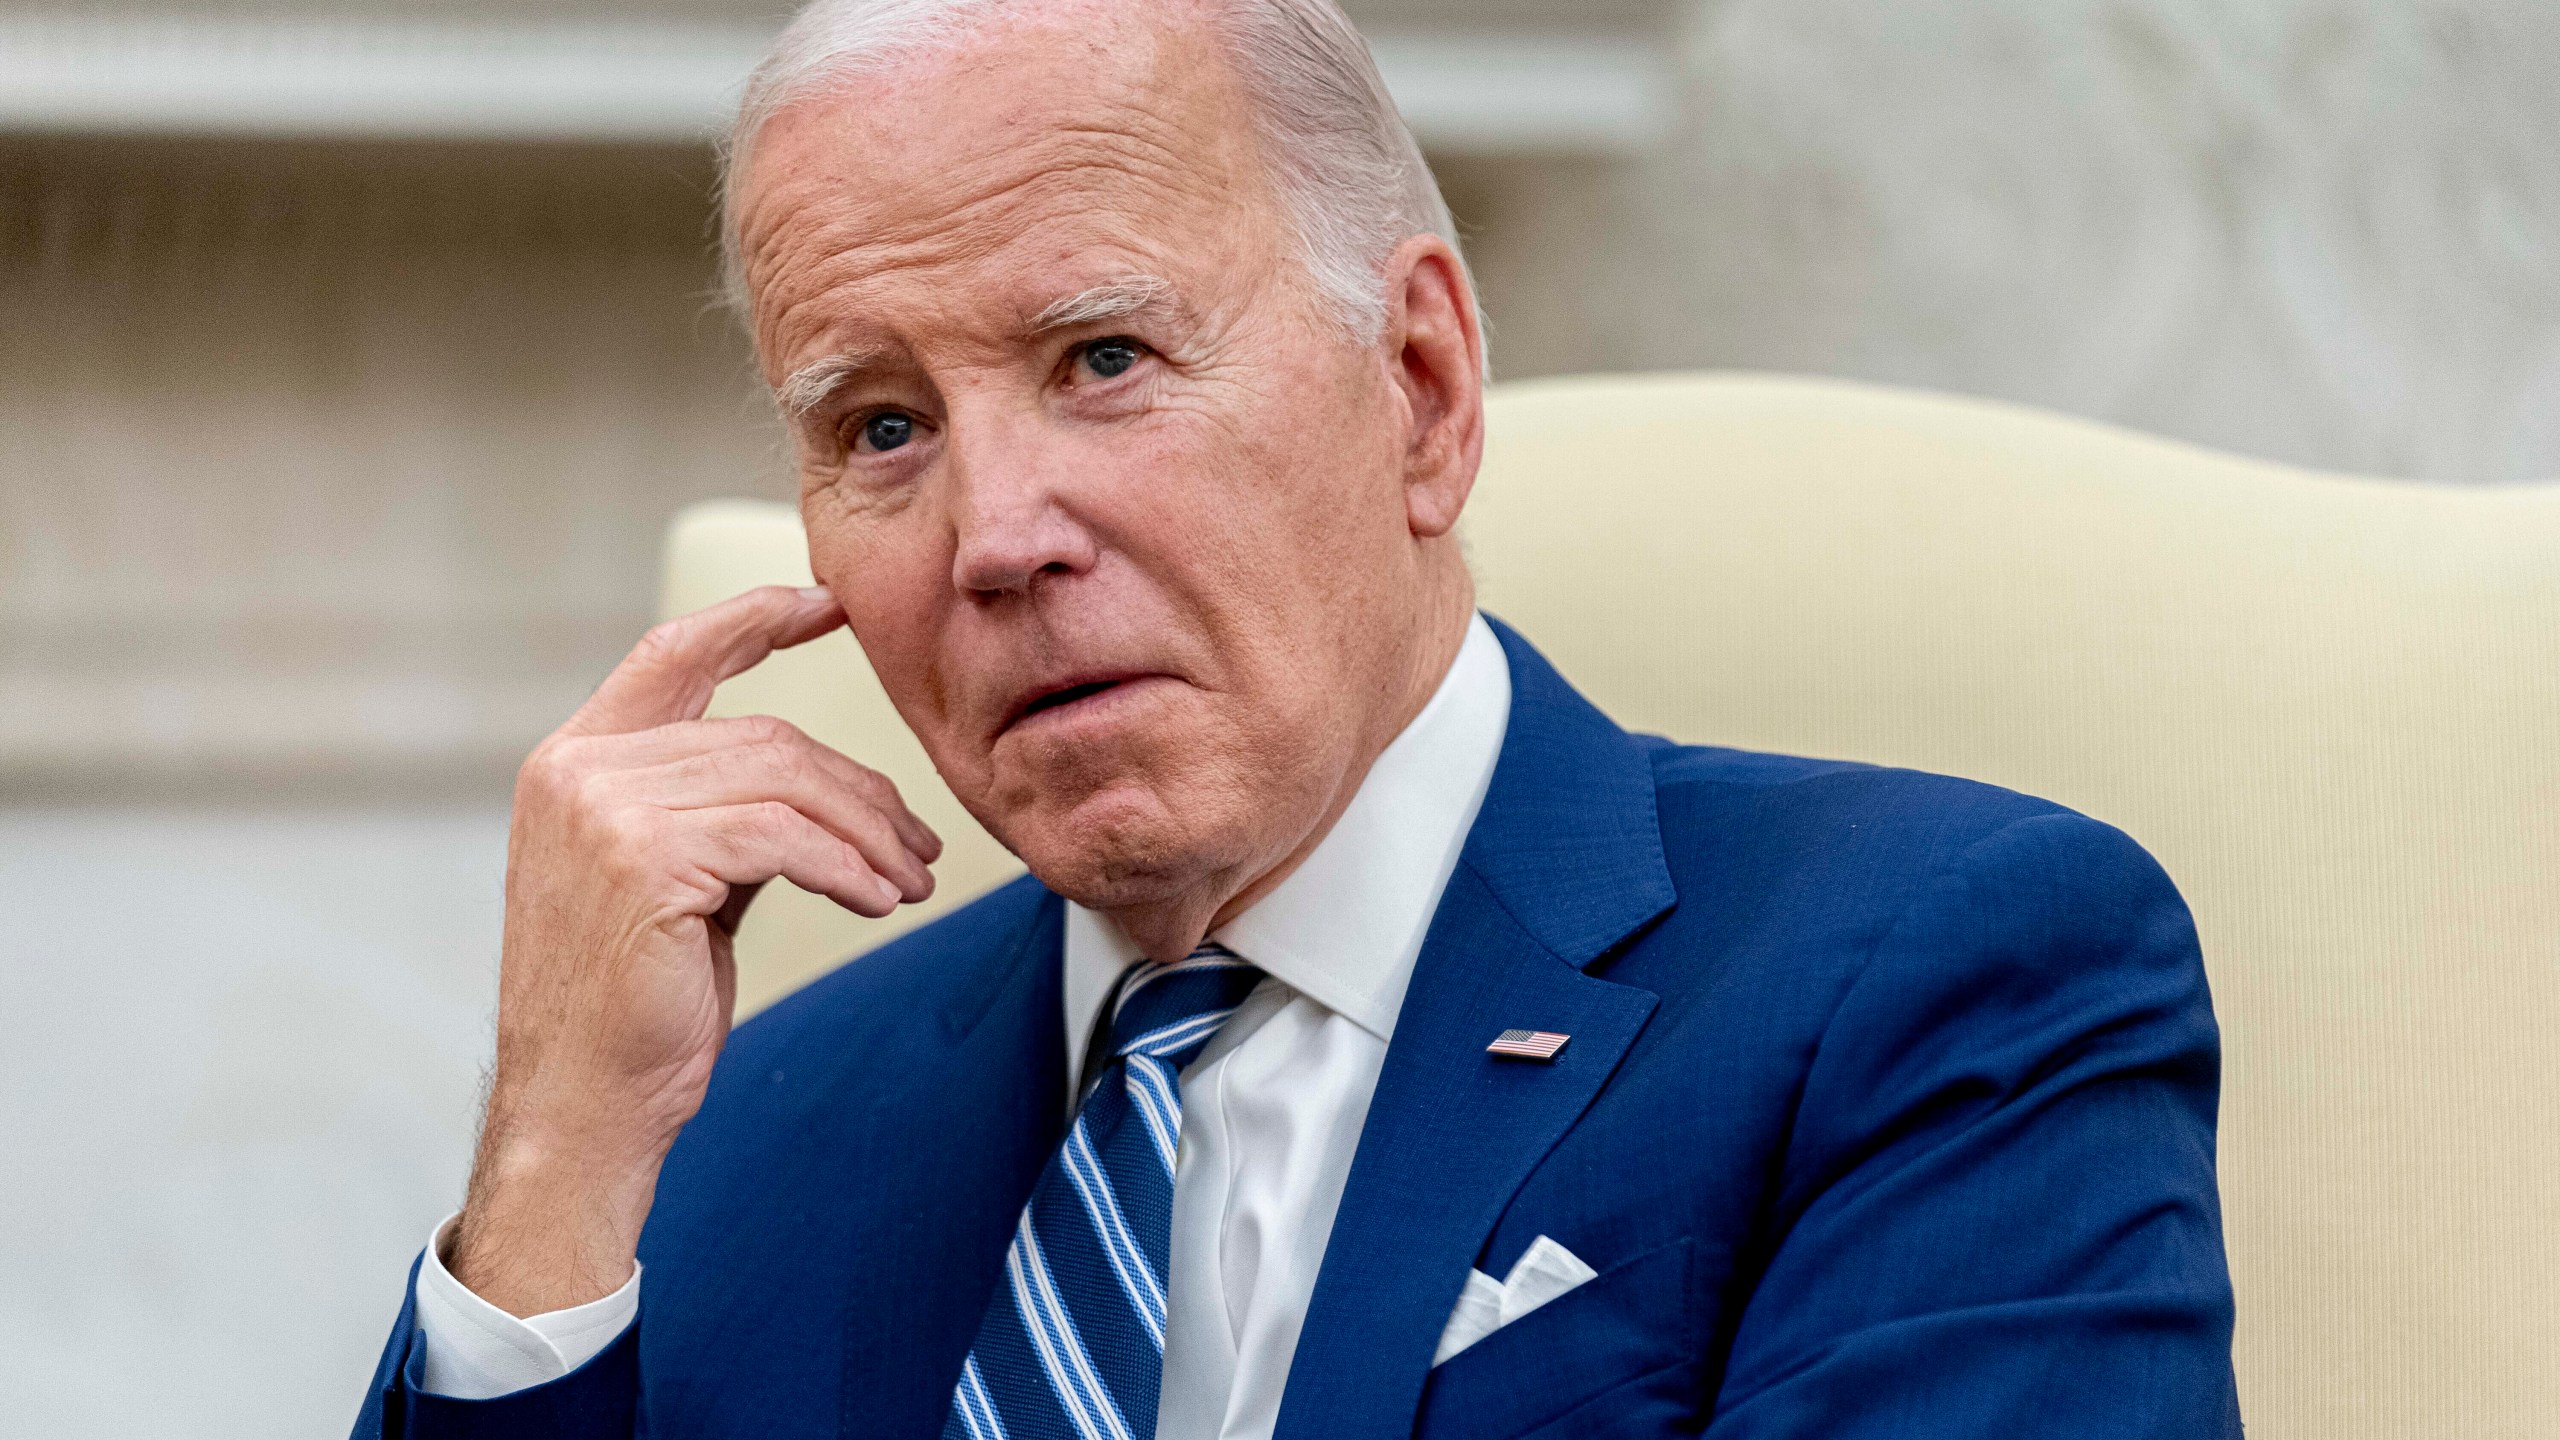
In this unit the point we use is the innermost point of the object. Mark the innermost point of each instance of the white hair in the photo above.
(1345, 168)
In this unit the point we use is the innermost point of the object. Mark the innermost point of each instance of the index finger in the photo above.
(670, 674)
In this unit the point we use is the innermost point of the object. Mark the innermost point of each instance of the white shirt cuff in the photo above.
(476, 1351)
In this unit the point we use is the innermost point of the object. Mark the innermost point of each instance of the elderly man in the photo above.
(1384, 1043)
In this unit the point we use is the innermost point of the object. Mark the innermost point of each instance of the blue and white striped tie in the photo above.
(1072, 1346)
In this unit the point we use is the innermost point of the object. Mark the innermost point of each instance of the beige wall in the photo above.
(342, 466)
(2322, 231)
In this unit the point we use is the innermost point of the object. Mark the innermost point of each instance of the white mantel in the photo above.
(674, 81)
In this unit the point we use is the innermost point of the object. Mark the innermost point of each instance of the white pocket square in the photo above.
(1544, 1271)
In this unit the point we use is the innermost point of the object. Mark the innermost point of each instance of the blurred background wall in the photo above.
(337, 428)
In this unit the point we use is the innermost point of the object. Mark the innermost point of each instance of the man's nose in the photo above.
(1013, 525)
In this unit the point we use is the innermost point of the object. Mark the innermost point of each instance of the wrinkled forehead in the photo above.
(953, 177)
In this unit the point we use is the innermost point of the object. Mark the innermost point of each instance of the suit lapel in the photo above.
(1565, 862)
(947, 1154)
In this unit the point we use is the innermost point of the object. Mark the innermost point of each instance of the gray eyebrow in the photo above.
(1110, 300)
(808, 387)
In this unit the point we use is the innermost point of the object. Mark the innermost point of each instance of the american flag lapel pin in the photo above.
(1528, 1044)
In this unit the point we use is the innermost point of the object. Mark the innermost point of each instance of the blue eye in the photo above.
(1111, 358)
(888, 430)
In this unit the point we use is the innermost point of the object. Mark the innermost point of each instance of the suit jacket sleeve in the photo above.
(596, 1401)
(1998, 1213)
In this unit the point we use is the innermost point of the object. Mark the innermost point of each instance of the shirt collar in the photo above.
(1345, 928)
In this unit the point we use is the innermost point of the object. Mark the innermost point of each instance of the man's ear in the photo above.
(1435, 354)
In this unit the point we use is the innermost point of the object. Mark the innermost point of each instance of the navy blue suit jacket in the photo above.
(1889, 1111)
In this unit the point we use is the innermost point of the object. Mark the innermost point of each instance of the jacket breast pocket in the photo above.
(1579, 1358)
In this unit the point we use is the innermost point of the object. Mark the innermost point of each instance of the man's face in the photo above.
(1117, 511)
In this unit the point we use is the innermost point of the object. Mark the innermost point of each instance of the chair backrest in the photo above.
(2331, 706)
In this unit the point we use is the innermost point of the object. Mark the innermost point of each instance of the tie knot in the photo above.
(1170, 1011)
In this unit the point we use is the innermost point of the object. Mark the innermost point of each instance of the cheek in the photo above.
(1323, 492)
(889, 584)
(1271, 521)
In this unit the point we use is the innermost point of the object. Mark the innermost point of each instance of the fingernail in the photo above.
(815, 592)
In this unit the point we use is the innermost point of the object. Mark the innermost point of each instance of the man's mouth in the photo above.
(1069, 695)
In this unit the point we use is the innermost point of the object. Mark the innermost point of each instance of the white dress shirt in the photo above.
(1271, 1111)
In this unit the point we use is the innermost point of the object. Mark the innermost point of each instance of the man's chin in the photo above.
(1115, 849)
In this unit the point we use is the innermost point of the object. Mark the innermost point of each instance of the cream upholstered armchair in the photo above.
(2330, 706)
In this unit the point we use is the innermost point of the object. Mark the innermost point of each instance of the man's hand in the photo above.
(641, 831)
